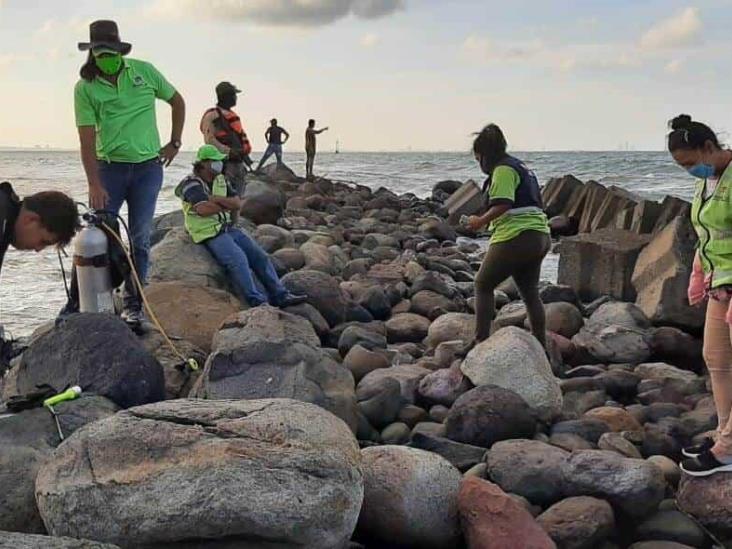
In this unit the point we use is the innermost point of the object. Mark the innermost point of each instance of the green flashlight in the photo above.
(69, 394)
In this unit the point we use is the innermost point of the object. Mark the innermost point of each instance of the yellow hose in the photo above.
(190, 361)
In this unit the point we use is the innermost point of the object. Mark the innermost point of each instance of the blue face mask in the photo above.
(217, 166)
(701, 171)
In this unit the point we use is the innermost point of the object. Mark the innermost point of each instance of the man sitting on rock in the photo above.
(209, 206)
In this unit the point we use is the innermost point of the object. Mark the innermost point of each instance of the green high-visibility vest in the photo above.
(203, 227)
(712, 219)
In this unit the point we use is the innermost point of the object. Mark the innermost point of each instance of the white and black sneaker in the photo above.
(697, 449)
(704, 464)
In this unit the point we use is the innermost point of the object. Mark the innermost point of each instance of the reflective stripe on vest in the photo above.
(204, 227)
(712, 219)
(525, 209)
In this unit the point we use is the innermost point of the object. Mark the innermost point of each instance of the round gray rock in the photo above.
(195, 471)
(395, 507)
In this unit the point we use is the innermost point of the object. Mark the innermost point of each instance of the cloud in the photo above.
(674, 66)
(683, 29)
(559, 57)
(369, 40)
(299, 13)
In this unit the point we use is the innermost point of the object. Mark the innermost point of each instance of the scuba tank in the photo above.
(91, 262)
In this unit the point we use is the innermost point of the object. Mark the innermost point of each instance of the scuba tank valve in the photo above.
(69, 394)
(91, 261)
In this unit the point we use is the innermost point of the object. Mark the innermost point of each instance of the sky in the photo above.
(391, 75)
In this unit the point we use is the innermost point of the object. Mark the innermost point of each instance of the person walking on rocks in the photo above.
(696, 148)
(310, 146)
(208, 204)
(114, 102)
(222, 128)
(274, 139)
(520, 234)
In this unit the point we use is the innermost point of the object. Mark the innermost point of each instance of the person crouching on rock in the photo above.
(210, 206)
(696, 148)
(520, 234)
(40, 220)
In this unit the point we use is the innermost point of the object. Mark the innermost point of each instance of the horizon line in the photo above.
(37, 148)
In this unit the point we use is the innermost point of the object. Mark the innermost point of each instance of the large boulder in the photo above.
(613, 344)
(395, 509)
(179, 376)
(634, 486)
(707, 499)
(409, 377)
(15, 540)
(450, 327)
(268, 353)
(323, 292)
(563, 318)
(191, 312)
(661, 277)
(198, 471)
(491, 519)
(406, 327)
(262, 202)
(444, 386)
(97, 352)
(514, 359)
(529, 468)
(178, 258)
(619, 313)
(601, 263)
(27, 440)
(581, 522)
(487, 414)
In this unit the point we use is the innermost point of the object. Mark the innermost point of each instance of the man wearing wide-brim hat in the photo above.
(114, 102)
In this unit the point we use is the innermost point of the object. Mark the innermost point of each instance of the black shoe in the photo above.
(704, 465)
(292, 299)
(697, 449)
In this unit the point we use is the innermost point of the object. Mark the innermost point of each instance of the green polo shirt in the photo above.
(123, 115)
(504, 182)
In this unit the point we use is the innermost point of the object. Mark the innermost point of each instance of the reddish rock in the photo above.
(491, 519)
(617, 419)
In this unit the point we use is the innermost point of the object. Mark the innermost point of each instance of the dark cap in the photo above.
(105, 34)
(226, 88)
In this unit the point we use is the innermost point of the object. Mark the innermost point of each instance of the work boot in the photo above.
(290, 300)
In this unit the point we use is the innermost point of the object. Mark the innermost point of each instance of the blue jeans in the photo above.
(271, 149)
(138, 185)
(240, 254)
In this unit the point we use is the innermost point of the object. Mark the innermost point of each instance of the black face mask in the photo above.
(227, 101)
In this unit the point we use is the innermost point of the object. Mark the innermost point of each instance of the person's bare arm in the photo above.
(266, 136)
(232, 203)
(208, 208)
(169, 152)
(476, 222)
(322, 130)
(88, 139)
(209, 132)
(287, 136)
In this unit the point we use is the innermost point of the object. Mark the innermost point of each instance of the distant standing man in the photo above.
(310, 147)
(114, 104)
(222, 128)
(273, 135)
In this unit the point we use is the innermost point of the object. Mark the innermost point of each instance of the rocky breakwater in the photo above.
(507, 447)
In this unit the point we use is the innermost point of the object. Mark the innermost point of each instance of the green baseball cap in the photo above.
(209, 152)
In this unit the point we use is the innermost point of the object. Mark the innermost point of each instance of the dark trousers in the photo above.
(521, 259)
